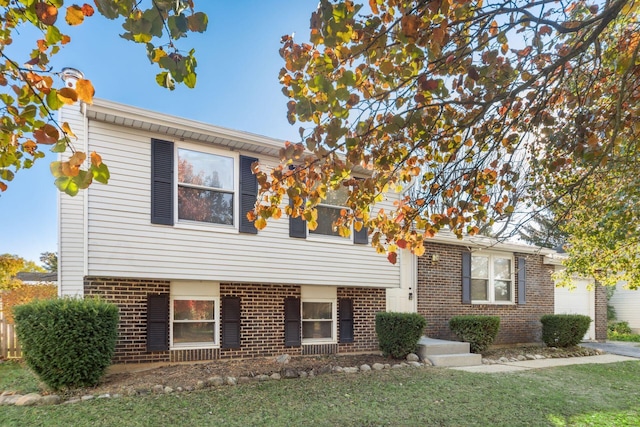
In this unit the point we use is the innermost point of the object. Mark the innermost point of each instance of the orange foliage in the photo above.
(25, 294)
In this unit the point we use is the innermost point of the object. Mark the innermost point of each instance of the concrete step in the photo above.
(466, 359)
(431, 346)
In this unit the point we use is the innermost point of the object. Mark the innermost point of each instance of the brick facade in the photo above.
(600, 312)
(262, 320)
(439, 290)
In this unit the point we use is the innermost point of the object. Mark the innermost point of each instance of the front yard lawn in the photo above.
(579, 395)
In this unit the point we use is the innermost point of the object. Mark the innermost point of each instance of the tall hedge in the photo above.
(478, 331)
(398, 333)
(67, 342)
(564, 330)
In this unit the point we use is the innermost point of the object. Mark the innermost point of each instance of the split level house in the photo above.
(167, 240)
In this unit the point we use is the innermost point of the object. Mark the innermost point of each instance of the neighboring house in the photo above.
(34, 278)
(626, 302)
(167, 240)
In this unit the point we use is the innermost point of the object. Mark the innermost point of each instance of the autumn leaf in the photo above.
(96, 160)
(46, 13)
(67, 95)
(260, 223)
(47, 135)
(74, 16)
(87, 10)
(85, 90)
(392, 257)
(67, 129)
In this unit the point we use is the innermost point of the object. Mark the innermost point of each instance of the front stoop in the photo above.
(447, 353)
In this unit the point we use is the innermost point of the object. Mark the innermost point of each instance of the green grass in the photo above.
(614, 336)
(15, 377)
(579, 395)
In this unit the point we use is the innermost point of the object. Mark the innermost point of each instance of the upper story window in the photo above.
(492, 278)
(206, 187)
(329, 212)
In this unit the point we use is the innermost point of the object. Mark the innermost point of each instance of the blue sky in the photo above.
(238, 65)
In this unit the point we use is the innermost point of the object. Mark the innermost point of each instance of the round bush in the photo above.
(67, 342)
(478, 331)
(564, 330)
(398, 333)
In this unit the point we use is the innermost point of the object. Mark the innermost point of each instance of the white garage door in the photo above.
(580, 300)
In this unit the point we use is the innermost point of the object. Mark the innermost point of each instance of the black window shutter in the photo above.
(230, 322)
(345, 313)
(297, 226)
(361, 237)
(248, 193)
(158, 322)
(292, 319)
(466, 277)
(161, 182)
(522, 280)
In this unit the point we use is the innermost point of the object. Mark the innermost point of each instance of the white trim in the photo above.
(491, 255)
(85, 199)
(334, 321)
(196, 291)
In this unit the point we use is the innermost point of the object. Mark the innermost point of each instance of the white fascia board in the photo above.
(114, 110)
(481, 242)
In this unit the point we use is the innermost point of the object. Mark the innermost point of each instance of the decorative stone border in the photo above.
(32, 399)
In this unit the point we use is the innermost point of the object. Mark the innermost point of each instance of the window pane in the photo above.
(479, 290)
(326, 217)
(193, 310)
(502, 290)
(317, 310)
(205, 169)
(502, 268)
(480, 267)
(205, 205)
(201, 332)
(337, 197)
(318, 329)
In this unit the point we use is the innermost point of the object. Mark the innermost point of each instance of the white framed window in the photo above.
(194, 314)
(207, 186)
(329, 211)
(492, 278)
(319, 314)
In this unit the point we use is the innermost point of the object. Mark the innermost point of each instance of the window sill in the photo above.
(312, 341)
(195, 346)
(329, 239)
(493, 303)
(216, 228)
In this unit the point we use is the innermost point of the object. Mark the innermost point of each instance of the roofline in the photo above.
(482, 242)
(109, 111)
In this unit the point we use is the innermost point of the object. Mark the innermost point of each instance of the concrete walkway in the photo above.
(544, 363)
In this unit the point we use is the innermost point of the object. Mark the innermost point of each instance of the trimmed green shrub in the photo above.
(398, 333)
(564, 330)
(478, 331)
(67, 342)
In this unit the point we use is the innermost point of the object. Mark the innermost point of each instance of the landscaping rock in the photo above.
(30, 399)
(337, 369)
(326, 369)
(378, 366)
(530, 357)
(290, 373)
(275, 376)
(365, 367)
(87, 397)
(350, 370)
(168, 390)
(200, 385)
(263, 378)
(412, 357)
(415, 364)
(397, 366)
(104, 396)
(72, 401)
(244, 380)
(179, 389)
(303, 374)
(130, 391)
(521, 358)
(214, 381)
(283, 359)
(231, 381)
(157, 389)
(503, 360)
(539, 356)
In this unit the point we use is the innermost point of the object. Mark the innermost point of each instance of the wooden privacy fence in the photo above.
(9, 345)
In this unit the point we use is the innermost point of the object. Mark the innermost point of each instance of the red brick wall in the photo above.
(366, 303)
(439, 291)
(601, 312)
(130, 295)
(262, 320)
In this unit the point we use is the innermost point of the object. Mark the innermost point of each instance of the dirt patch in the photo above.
(186, 376)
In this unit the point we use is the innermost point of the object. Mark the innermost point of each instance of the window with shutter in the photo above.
(248, 193)
(487, 278)
(161, 182)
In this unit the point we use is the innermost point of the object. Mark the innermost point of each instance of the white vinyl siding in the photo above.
(122, 242)
(626, 302)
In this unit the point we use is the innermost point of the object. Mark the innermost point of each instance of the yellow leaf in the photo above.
(67, 95)
(74, 16)
(67, 129)
(418, 250)
(85, 90)
(260, 223)
(77, 159)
